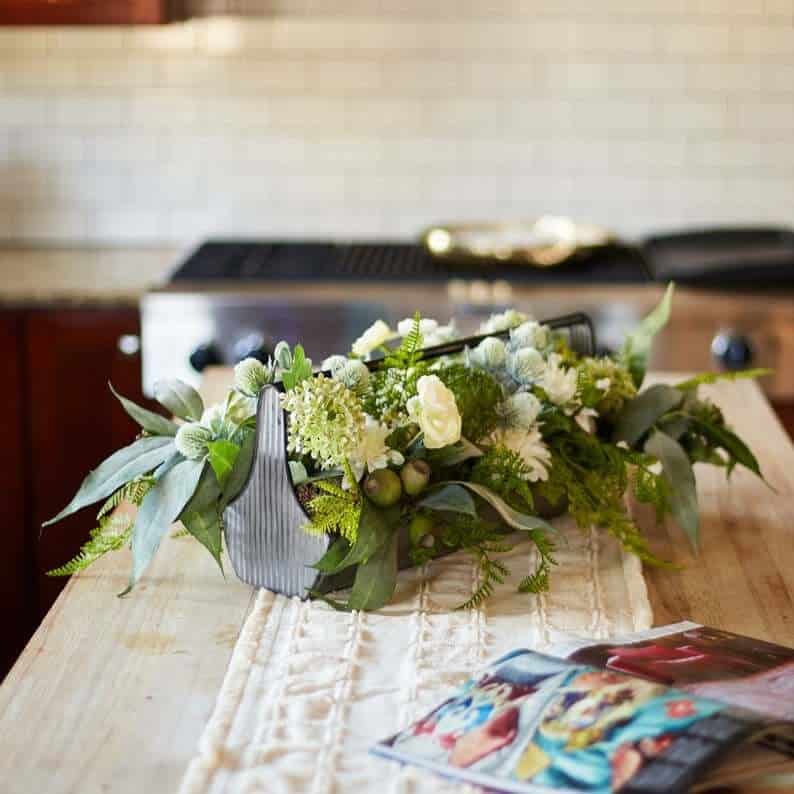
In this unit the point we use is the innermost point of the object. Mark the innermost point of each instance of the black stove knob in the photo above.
(204, 356)
(732, 350)
(253, 345)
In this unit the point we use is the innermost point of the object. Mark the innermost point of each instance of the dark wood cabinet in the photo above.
(83, 12)
(61, 421)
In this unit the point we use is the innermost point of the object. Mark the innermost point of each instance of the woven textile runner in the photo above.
(309, 689)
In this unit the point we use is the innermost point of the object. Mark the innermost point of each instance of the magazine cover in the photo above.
(530, 723)
(741, 671)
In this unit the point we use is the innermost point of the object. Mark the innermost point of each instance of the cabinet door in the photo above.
(75, 422)
(16, 568)
(82, 12)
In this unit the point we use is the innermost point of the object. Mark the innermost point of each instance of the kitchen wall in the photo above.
(358, 117)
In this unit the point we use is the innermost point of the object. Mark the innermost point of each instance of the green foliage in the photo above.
(610, 402)
(477, 396)
(714, 377)
(113, 531)
(180, 399)
(641, 414)
(300, 369)
(505, 472)
(334, 511)
(222, 455)
(538, 580)
(637, 347)
(409, 353)
(652, 489)
(152, 423)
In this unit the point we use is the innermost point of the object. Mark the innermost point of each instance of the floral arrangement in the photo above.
(391, 447)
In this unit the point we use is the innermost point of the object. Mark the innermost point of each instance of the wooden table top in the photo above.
(111, 695)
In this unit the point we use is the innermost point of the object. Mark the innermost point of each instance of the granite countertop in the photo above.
(82, 275)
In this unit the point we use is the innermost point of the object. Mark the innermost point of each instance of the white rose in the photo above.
(376, 335)
(435, 411)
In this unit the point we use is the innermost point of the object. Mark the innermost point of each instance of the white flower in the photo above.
(372, 452)
(490, 353)
(558, 383)
(251, 376)
(192, 439)
(432, 333)
(586, 419)
(213, 417)
(520, 412)
(435, 411)
(532, 449)
(526, 365)
(603, 384)
(530, 334)
(239, 407)
(334, 363)
(376, 335)
(354, 374)
(501, 322)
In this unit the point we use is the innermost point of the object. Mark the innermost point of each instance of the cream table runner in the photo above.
(309, 689)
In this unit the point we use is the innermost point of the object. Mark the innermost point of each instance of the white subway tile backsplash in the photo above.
(373, 118)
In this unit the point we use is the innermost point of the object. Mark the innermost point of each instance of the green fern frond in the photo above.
(492, 573)
(409, 353)
(133, 492)
(538, 580)
(114, 532)
(334, 511)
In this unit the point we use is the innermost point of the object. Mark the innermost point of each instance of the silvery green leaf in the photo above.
(376, 577)
(512, 517)
(283, 355)
(454, 453)
(180, 399)
(161, 506)
(453, 498)
(640, 415)
(636, 348)
(126, 464)
(726, 439)
(298, 472)
(152, 423)
(240, 471)
(677, 471)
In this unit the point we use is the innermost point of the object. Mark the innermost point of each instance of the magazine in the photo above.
(659, 711)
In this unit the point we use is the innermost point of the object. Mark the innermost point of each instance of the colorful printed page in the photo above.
(740, 671)
(530, 723)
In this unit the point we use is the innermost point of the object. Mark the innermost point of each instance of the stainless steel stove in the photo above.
(232, 299)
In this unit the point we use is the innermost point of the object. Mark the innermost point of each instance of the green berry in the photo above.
(383, 487)
(420, 526)
(415, 476)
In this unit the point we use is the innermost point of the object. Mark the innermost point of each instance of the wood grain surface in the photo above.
(111, 694)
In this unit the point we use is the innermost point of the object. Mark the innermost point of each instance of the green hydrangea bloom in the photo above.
(326, 421)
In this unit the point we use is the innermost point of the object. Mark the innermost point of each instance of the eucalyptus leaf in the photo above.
(240, 472)
(205, 526)
(376, 578)
(454, 453)
(637, 347)
(161, 506)
(642, 413)
(221, 455)
(155, 424)
(168, 463)
(180, 399)
(454, 498)
(513, 518)
(677, 471)
(674, 424)
(140, 457)
(714, 377)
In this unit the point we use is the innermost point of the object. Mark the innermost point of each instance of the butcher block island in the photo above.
(112, 695)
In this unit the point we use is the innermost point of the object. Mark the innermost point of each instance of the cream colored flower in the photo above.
(376, 335)
(435, 411)
(502, 321)
(532, 449)
(530, 334)
(372, 452)
(558, 383)
(192, 439)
